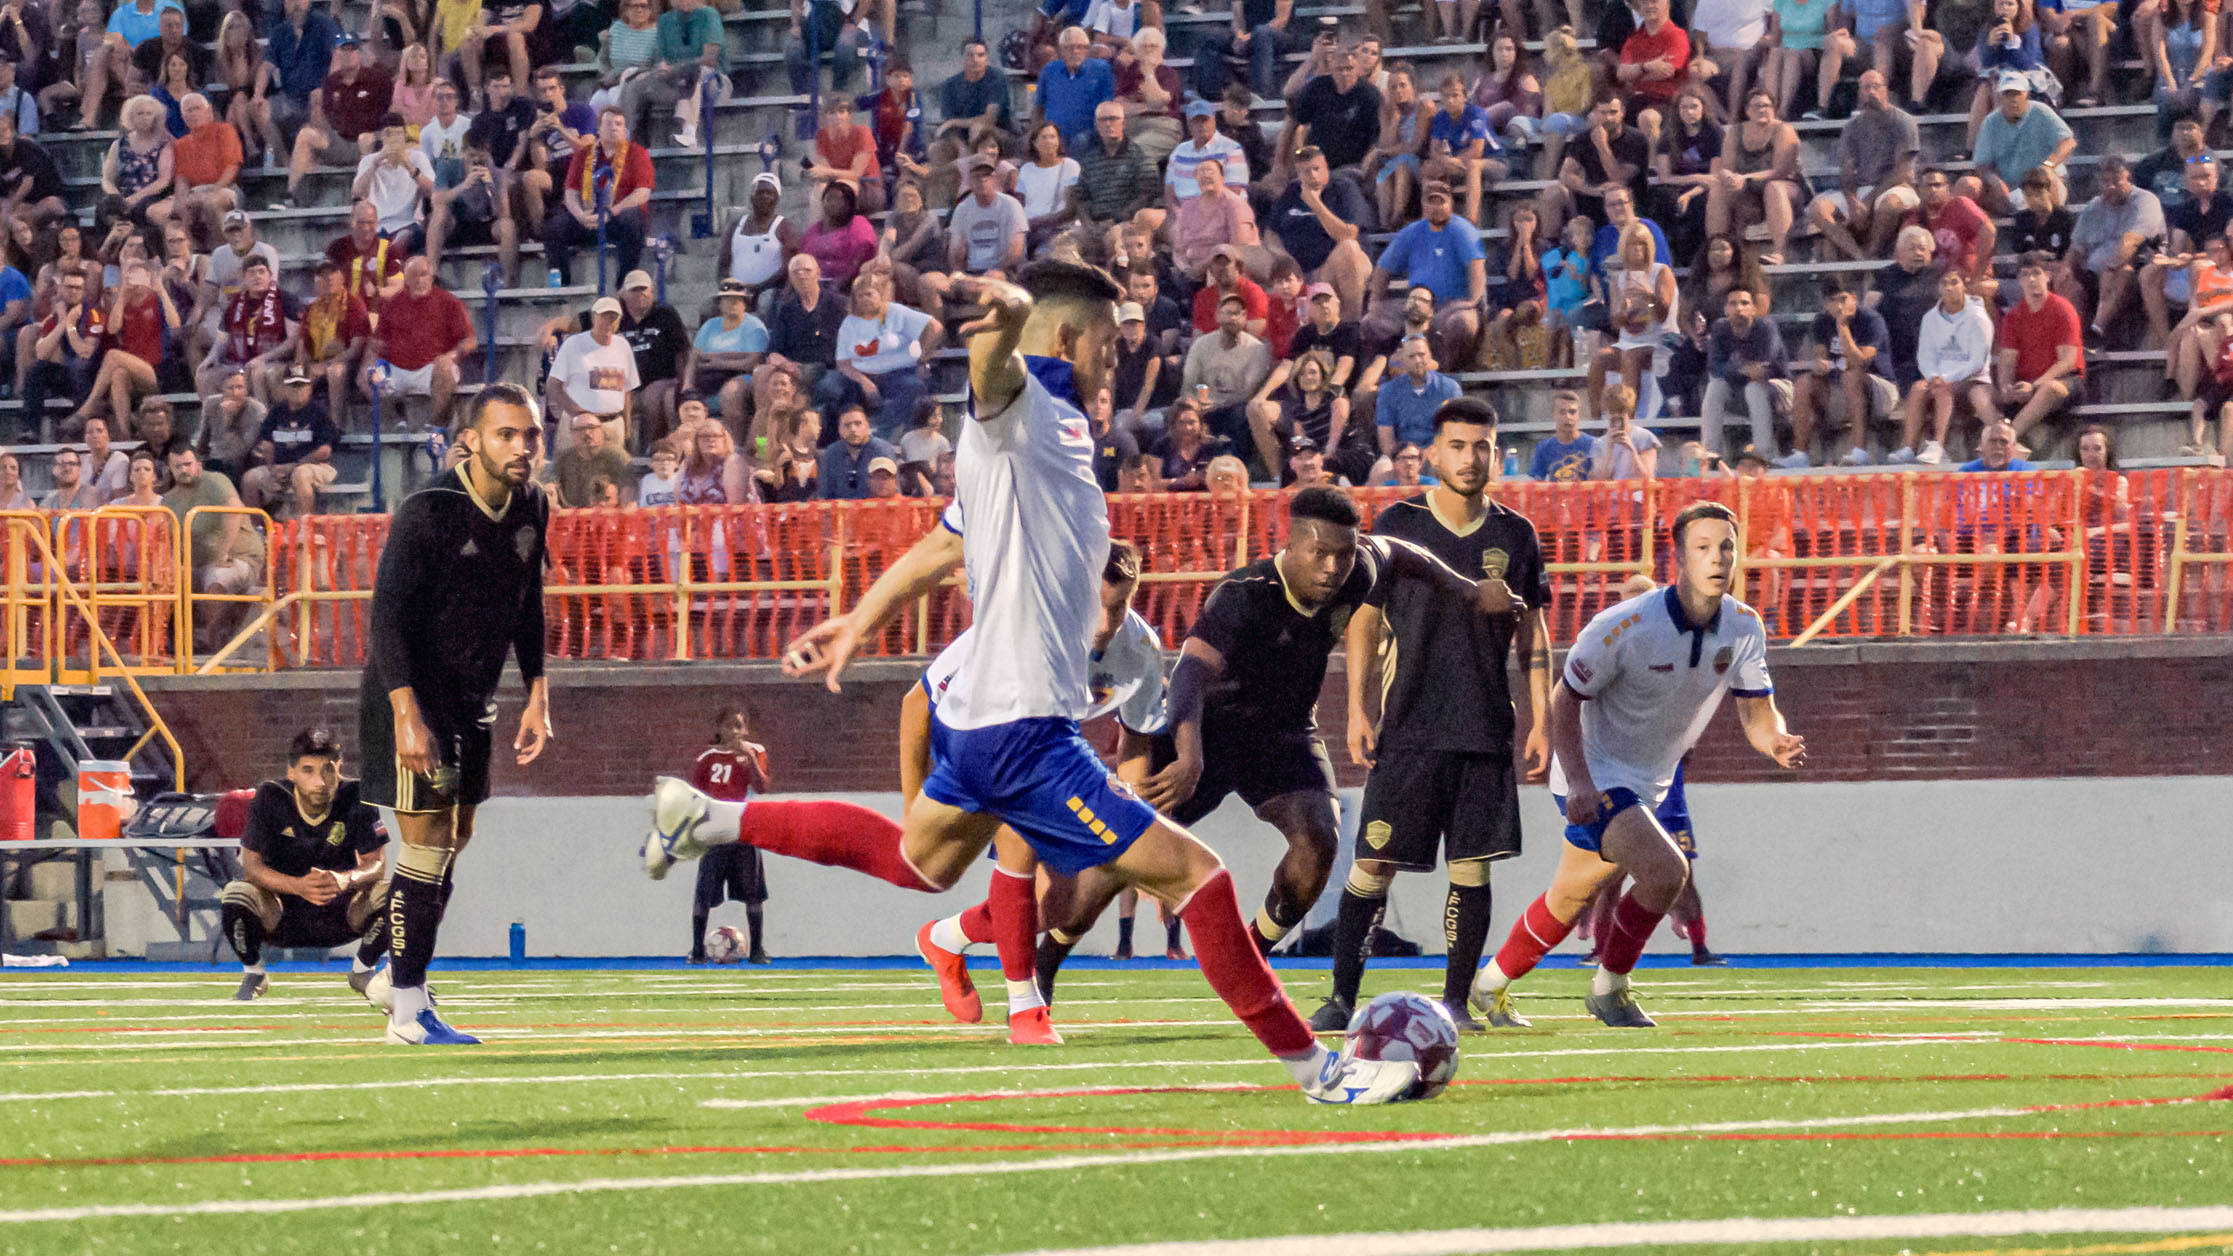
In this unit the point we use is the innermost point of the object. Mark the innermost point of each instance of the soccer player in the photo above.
(734, 768)
(1441, 757)
(1244, 697)
(313, 868)
(1004, 738)
(1127, 679)
(1640, 684)
(460, 586)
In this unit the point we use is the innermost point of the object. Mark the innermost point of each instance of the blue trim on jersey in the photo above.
(1056, 376)
(948, 526)
(1043, 780)
(1698, 632)
(1611, 803)
(1752, 693)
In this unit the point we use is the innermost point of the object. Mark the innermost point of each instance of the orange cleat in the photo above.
(954, 986)
(1033, 1028)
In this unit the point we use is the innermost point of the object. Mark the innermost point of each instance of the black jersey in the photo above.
(291, 844)
(1445, 687)
(459, 586)
(1275, 653)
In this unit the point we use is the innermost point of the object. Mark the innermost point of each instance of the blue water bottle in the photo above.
(519, 942)
(557, 279)
(1511, 464)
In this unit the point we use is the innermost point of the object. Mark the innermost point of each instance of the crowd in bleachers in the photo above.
(1603, 189)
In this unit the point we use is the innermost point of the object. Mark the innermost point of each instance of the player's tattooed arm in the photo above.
(1199, 666)
(1533, 641)
(996, 371)
(1361, 646)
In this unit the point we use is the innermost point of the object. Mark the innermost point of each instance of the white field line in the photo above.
(965, 1168)
(1687, 1233)
(2017, 1005)
(92, 1019)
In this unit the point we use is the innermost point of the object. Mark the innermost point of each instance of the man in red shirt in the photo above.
(1225, 277)
(845, 152)
(206, 164)
(1964, 235)
(335, 330)
(257, 333)
(1655, 61)
(346, 109)
(423, 341)
(573, 224)
(371, 265)
(2041, 353)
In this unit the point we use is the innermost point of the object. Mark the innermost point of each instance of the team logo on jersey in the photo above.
(1723, 658)
(1578, 669)
(524, 541)
(334, 837)
(1377, 833)
(1495, 563)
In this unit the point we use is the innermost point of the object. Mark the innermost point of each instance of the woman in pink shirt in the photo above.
(843, 241)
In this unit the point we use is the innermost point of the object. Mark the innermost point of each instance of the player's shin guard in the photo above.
(1124, 935)
(1533, 936)
(1623, 944)
(1236, 970)
(1014, 906)
(1465, 931)
(1054, 947)
(1364, 900)
(835, 834)
(244, 932)
(415, 901)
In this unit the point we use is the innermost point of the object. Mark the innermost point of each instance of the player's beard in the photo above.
(512, 474)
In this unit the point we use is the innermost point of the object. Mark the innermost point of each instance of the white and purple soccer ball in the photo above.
(725, 944)
(1401, 1025)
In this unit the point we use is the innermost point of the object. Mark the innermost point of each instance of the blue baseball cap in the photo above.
(1201, 109)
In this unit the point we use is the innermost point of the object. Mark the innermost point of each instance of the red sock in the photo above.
(1532, 937)
(1601, 917)
(1697, 926)
(1015, 924)
(1237, 971)
(1633, 924)
(976, 922)
(837, 834)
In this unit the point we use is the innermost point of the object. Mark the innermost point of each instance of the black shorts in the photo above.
(1467, 805)
(305, 925)
(1259, 767)
(470, 231)
(730, 873)
(462, 743)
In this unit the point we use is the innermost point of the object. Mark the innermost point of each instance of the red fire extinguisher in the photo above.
(19, 795)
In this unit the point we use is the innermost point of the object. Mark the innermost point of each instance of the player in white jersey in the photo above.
(1641, 683)
(1004, 740)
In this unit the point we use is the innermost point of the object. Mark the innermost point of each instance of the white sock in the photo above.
(359, 966)
(724, 820)
(1490, 978)
(409, 1002)
(1307, 1067)
(256, 967)
(946, 935)
(1607, 982)
(1024, 996)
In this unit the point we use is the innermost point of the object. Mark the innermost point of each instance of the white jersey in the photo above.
(1036, 539)
(1653, 681)
(1127, 675)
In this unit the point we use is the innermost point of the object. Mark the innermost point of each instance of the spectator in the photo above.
(1723, 264)
(1149, 90)
(294, 451)
(972, 106)
(1167, 323)
(1954, 348)
(803, 337)
(1325, 329)
(727, 349)
(1683, 157)
(1404, 406)
(141, 317)
(475, 211)
(1224, 370)
(1808, 42)
(760, 240)
(883, 479)
(2205, 210)
(1339, 114)
(1897, 28)
(561, 128)
(895, 119)
(502, 127)
(1903, 290)
(442, 136)
(1731, 45)
(259, 331)
(1225, 278)
(588, 459)
(371, 264)
(226, 550)
(1625, 451)
(1876, 173)
(712, 473)
(2210, 276)
(595, 374)
(231, 422)
(1655, 61)
(1306, 466)
(28, 177)
(1216, 219)
(105, 60)
(1620, 214)
(137, 170)
(1260, 36)
(574, 224)
(881, 367)
(345, 111)
(394, 178)
(2020, 137)
(1849, 375)
(845, 462)
(2076, 30)
(107, 468)
(1143, 380)
(1044, 183)
(158, 432)
(1180, 461)
(424, 335)
(1563, 458)
(206, 162)
(1508, 88)
(2041, 353)
(1998, 450)
(66, 353)
(1306, 406)
(1962, 235)
(661, 484)
(515, 34)
(2110, 230)
(1116, 180)
(2163, 171)
(985, 233)
(924, 443)
(70, 489)
(169, 71)
(1203, 140)
(1609, 155)
(1442, 254)
(12, 496)
(1462, 147)
(336, 329)
(793, 470)
(833, 36)
(1318, 221)
(1569, 285)
(1757, 178)
(2007, 43)
(1405, 467)
(844, 240)
(693, 56)
(1643, 304)
(845, 153)
(1744, 359)
(654, 330)
(914, 244)
(1073, 87)
(299, 49)
(23, 32)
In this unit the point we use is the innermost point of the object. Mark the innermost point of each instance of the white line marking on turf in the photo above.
(1729, 1230)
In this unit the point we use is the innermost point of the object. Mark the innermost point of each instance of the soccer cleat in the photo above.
(1495, 1007)
(1176, 954)
(380, 992)
(1332, 1017)
(1123, 951)
(1348, 1079)
(1462, 1018)
(1032, 1027)
(1707, 959)
(1618, 1010)
(955, 989)
(758, 957)
(361, 982)
(427, 1030)
(1589, 960)
(252, 987)
(676, 812)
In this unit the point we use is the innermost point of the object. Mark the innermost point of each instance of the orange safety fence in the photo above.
(1827, 558)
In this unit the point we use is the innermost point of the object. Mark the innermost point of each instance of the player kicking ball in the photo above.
(1641, 683)
(1004, 740)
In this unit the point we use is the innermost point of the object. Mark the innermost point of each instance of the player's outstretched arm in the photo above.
(1199, 666)
(1765, 729)
(1415, 562)
(996, 372)
(828, 646)
(1361, 646)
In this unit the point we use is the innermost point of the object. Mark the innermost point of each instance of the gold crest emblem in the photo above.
(1495, 563)
(1377, 834)
(1723, 658)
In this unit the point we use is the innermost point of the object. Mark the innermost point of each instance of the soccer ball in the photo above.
(724, 945)
(1406, 1026)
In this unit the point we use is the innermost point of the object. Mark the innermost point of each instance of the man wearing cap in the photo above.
(1319, 220)
(205, 165)
(843, 473)
(595, 374)
(1306, 466)
(345, 111)
(573, 225)
(1223, 371)
(725, 352)
(2017, 138)
(1441, 253)
(294, 451)
(474, 210)
(1203, 141)
(1217, 219)
(424, 335)
(589, 458)
(883, 479)
(258, 332)
(299, 48)
(1142, 381)
(881, 348)
(655, 331)
(395, 177)
(2204, 211)
(986, 231)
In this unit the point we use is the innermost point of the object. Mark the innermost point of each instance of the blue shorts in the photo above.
(1674, 816)
(1040, 778)
(1609, 804)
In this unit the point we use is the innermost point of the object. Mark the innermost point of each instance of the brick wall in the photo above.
(1892, 712)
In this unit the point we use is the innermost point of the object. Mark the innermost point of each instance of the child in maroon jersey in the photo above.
(733, 769)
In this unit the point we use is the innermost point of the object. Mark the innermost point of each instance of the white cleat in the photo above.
(677, 809)
(380, 992)
(1347, 1079)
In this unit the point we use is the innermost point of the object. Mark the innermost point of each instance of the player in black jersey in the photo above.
(1243, 699)
(460, 586)
(313, 867)
(1441, 754)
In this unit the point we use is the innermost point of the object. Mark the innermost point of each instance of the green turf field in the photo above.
(809, 1110)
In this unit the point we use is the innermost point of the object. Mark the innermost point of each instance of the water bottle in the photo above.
(556, 280)
(519, 942)
(1511, 464)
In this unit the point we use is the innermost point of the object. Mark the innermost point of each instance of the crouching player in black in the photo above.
(1442, 778)
(314, 868)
